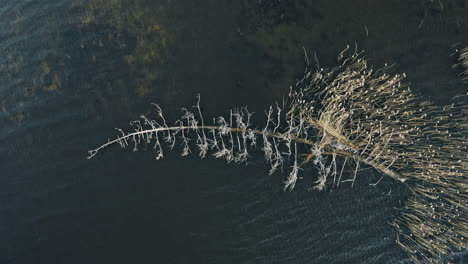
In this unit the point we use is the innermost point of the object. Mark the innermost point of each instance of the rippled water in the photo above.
(71, 71)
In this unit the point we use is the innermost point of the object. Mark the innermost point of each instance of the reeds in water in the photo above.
(463, 59)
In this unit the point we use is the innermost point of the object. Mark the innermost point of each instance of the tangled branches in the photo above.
(359, 116)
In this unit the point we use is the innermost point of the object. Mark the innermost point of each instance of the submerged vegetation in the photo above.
(148, 54)
(347, 116)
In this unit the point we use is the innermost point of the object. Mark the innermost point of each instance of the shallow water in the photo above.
(71, 71)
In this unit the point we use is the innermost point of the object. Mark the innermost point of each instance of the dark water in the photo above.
(71, 71)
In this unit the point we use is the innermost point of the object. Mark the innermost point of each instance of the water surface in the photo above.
(71, 71)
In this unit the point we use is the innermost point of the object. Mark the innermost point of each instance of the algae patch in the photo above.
(147, 58)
